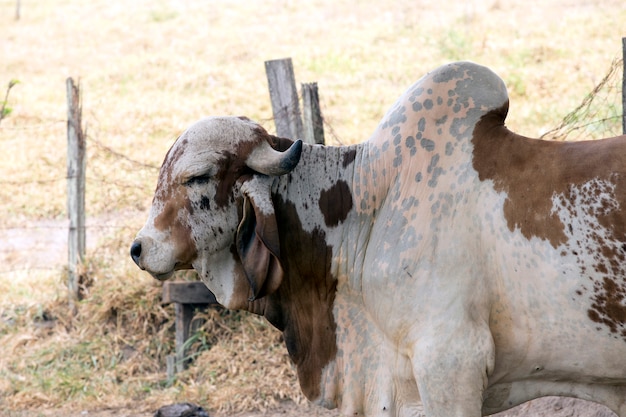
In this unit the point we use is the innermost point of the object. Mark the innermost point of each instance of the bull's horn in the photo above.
(268, 161)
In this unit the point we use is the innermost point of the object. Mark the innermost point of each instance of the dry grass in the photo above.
(112, 352)
(147, 70)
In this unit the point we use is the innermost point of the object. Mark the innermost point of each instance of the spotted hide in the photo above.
(446, 262)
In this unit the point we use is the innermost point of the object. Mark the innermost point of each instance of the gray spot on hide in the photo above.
(396, 117)
(434, 170)
(421, 125)
(452, 72)
(397, 161)
(409, 203)
(427, 144)
(416, 93)
(410, 143)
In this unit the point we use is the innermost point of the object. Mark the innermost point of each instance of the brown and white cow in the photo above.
(445, 261)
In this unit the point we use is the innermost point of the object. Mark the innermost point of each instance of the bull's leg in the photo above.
(451, 370)
(613, 397)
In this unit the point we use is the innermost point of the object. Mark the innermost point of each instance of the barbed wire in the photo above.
(120, 155)
(29, 269)
(64, 226)
(33, 126)
(598, 115)
(41, 182)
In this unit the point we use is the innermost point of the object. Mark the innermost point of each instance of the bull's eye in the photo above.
(198, 180)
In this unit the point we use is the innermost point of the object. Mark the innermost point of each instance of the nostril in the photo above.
(135, 251)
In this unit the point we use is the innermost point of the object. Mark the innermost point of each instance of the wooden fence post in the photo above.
(76, 163)
(284, 97)
(187, 298)
(624, 86)
(313, 123)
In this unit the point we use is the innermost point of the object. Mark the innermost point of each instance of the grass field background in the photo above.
(147, 70)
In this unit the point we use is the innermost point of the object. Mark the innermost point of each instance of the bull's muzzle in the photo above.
(135, 252)
(157, 259)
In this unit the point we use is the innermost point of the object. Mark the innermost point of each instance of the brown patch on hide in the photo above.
(230, 168)
(335, 203)
(531, 171)
(165, 185)
(180, 232)
(349, 157)
(174, 197)
(589, 179)
(302, 306)
(608, 305)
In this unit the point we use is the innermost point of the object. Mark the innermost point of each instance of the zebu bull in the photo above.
(446, 261)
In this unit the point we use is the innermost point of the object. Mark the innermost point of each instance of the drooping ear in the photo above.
(257, 239)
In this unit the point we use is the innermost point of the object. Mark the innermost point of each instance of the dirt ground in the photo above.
(543, 407)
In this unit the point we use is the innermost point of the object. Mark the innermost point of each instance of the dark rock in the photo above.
(181, 410)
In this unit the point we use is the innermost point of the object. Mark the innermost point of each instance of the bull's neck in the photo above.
(323, 197)
(320, 223)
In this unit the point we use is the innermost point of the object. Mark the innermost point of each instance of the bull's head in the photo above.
(212, 210)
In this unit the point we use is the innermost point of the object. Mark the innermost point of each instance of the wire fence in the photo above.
(598, 115)
(32, 243)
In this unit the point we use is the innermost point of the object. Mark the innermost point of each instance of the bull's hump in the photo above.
(426, 134)
(460, 92)
(419, 158)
